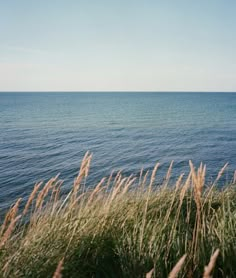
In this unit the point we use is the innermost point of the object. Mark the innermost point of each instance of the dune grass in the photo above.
(124, 227)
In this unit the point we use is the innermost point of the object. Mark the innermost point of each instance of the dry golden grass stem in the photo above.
(76, 201)
(175, 223)
(83, 173)
(58, 272)
(120, 182)
(198, 179)
(31, 197)
(11, 214)
(146, 205)
(222, 170)
(153, 176)
(174, 198)
(109, 179)
(95, 191)
(44, 192)
(175, 271)
(143, 181)
(117, 177)
(85, 164)
(84, 161)
(210, 267)
(56, 192)
(77, 183)
(9, 231)
(140, 177)
(120, 186)
(178, 182)
(168, 174)
(15, 208)
(129, 182)
(87, 167)
(185, 188)
(168, 213)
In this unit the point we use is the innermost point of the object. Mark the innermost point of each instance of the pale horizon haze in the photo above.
(117, 45)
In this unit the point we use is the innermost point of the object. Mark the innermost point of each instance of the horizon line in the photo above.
(115, 91)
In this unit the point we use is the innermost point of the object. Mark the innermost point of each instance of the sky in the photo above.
(125, 45)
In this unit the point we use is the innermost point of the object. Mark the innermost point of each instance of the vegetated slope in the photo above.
(124, 227)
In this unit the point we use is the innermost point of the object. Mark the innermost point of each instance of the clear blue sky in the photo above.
(178, 45)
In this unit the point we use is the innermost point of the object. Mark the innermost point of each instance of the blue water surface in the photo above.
(42, 134)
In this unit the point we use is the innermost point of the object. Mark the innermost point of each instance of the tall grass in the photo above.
(124, 227)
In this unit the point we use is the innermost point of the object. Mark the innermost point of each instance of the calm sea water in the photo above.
(42, 134)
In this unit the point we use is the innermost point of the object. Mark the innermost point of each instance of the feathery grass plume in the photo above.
(58, 272)
(85, 164)
(210, 267)
(9, 231)
(108, 182)
(76, 185)
(44, 192)
(168, 174)
(174, 272)
(109, 179)
(95, 190)
(11, 214)
(221, 173)
(140, 177)
(15, 208)
(55, 198)
(31, 197)
(198, 181)
(56, 192)
(193, 173)
(143, 182)
(149, 274)
(178, 182)
(127, 185)
(185, 188)
(83, 173)
(116, 189)
(84, 161)
(153, 176)
(117, 177)
(87, 168)
(234, 180)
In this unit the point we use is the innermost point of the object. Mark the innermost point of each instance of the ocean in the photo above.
(43, 134)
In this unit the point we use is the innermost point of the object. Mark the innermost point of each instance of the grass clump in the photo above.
(124, 227)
